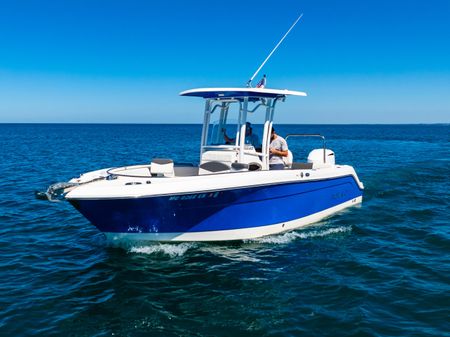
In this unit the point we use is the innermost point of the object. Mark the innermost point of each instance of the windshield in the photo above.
(222, 133)
(224, 128)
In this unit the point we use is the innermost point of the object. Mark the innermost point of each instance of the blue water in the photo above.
(382, 269)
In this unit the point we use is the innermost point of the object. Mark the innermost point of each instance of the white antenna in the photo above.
(249, 83)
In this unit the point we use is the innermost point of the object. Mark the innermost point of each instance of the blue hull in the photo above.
(219, 210)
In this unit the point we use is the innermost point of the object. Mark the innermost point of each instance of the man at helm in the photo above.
(250, 137)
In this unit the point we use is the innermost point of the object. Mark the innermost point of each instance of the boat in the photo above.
(231, 194)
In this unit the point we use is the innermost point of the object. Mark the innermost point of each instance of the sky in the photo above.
(372, 61)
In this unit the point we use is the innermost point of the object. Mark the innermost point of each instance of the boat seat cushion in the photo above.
(162, 161)
(302, 166)
(214, 166)
(239, 166)
(162, 167)
(254, 167)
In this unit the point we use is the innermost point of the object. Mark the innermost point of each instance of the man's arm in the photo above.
(279, 152)
(226, 138)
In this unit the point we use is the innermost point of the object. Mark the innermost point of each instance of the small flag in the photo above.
(261, 84)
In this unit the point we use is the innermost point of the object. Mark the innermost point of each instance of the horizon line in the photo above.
(131, 123)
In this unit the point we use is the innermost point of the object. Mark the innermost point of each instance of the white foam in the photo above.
(234, 254)
(254, 279)
(276, 239)
(172, 250)
(291, 236)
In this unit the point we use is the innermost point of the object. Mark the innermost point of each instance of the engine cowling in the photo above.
(319, 160)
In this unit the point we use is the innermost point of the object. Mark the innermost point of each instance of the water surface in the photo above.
(382, 269)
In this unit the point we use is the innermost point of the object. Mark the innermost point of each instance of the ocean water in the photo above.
(381, 269)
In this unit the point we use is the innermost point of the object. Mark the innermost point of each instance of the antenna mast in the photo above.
(249, 83)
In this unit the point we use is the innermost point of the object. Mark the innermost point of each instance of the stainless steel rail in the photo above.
(311, 135)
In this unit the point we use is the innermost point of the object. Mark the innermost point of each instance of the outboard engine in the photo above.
(321, 158)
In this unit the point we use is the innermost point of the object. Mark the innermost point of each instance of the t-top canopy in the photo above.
(238, 93)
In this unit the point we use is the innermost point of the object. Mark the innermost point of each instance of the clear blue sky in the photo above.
(373, 61)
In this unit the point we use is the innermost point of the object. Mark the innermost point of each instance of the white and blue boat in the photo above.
(229, 195)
